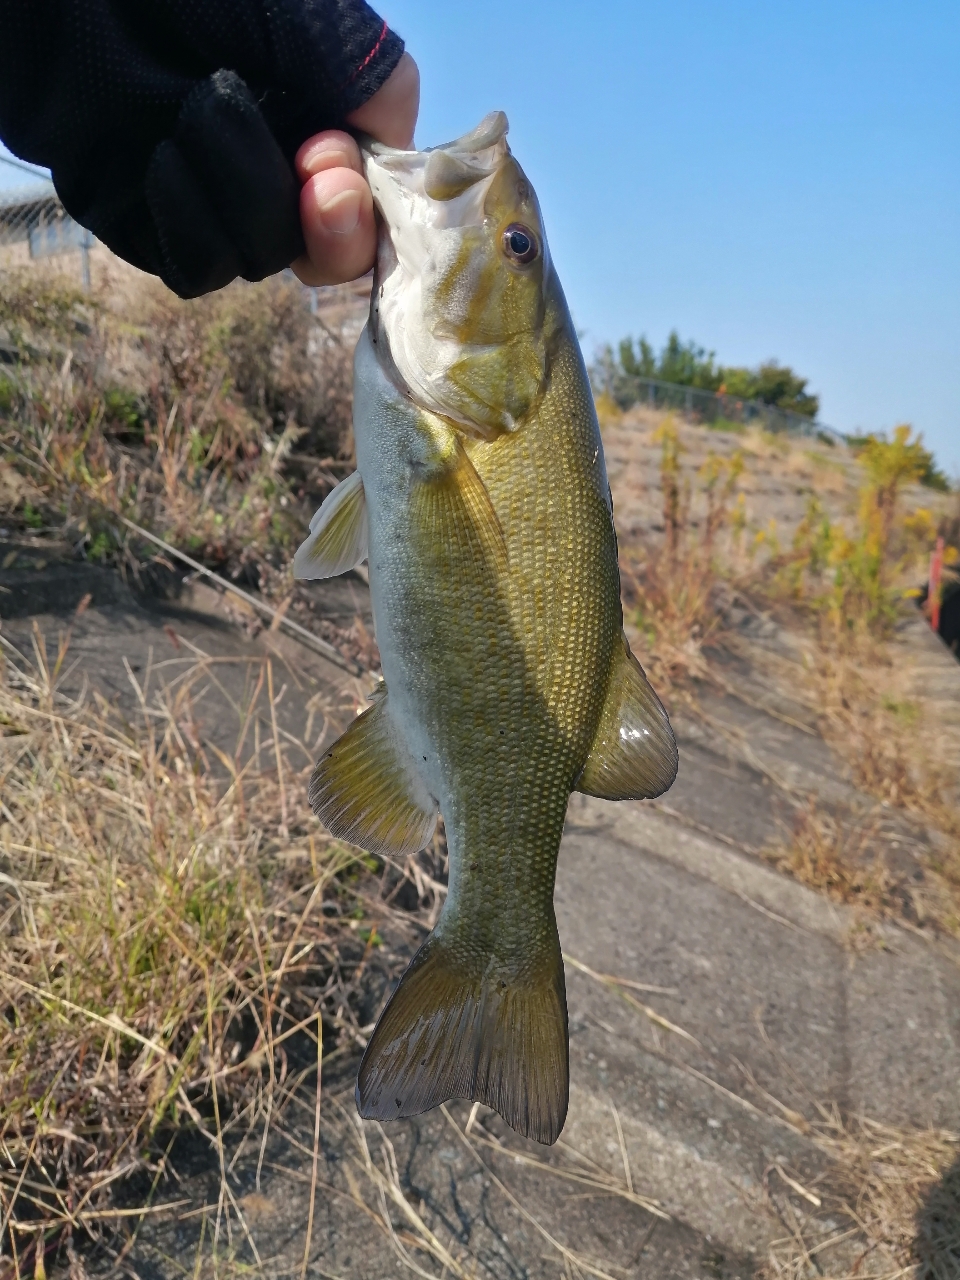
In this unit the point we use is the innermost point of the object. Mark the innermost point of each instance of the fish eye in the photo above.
(520, 243)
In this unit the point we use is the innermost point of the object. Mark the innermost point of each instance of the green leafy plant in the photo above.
(32, 518)
(922, 463)
(848, 576)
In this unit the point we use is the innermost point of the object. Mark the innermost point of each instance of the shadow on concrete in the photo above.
(937, 1242)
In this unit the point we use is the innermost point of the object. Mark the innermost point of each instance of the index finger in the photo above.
(390, 115)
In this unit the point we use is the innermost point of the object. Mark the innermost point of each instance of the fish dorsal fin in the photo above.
(634, 755)
(366, 788)
(338, 533)
(454, 513)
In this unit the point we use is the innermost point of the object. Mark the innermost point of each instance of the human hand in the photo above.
(336, 205)
(170, 127)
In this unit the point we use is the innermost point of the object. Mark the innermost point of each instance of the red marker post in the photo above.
(933, 587)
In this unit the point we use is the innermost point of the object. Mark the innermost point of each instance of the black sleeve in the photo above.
(170, 126)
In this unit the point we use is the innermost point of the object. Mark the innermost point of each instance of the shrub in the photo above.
(687, 364)
(848, 577)
(922, 462)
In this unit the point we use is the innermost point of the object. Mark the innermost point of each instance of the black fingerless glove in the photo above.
(170, 126)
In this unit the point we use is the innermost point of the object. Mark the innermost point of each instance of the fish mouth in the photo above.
(417, 194)
(491, 130)
(433, 189)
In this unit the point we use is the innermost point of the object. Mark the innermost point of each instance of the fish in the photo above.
(482, 507)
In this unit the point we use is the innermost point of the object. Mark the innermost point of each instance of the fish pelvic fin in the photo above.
(634, 754)
(338, 533)
(460, 1026)
(366, 788)
(454, 512)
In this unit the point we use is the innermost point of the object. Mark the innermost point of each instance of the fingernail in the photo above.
(341, 213)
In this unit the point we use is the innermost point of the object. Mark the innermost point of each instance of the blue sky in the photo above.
(15, 175)
(770, 179)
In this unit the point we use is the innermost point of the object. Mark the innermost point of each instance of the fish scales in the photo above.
(481, 501)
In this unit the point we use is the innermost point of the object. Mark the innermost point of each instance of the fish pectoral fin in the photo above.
(455, 515)
(456, 1027)
(366, 788)
(634, 755)
(338, 533)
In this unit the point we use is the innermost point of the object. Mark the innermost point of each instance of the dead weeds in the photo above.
(172, 926)
(669, 591)
(887, 1204)
(889, 1207)
(842, 861)
(900, 860)
(838, 590)
(218, 424)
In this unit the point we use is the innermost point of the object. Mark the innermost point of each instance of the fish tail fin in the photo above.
(460, 1025)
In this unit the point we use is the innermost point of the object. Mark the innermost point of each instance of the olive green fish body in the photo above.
(500, 678)
(483, 507)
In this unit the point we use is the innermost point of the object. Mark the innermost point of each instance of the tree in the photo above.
(687, 364)
(683, 363)
(773, 384)
(641, 363)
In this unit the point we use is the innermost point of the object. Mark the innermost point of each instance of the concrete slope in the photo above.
(749, 1006)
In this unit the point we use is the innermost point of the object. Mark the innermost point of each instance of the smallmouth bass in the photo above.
(481, 503)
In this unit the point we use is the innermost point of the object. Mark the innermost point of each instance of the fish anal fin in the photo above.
(366, 790)
(453, 513)
(338, 533)
(453, 1029)
(634, 754)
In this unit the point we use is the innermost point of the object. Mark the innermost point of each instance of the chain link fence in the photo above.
(709, 407)
(33, 222)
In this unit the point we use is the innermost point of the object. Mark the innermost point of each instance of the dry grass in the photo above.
(889, 1207)
(897, 749)
(219, 424)
(887, 1204)
(890, 1204)
(842, 860)
(173, 935)
(838, 590)
(171, 927)
(170, 938)
(669, 591)
(895, 752)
